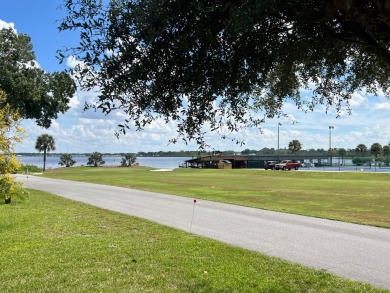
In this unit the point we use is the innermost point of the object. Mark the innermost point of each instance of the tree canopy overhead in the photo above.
(29, 90)
(222, 63)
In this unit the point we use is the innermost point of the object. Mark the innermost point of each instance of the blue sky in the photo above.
(78, 131)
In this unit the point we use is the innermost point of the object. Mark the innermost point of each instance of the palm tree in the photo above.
(294, 146)
(45, 143)
(361, 148)
(342, 152)
(386, 152)
(376, 149)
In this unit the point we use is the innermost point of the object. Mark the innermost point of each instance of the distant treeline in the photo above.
(173, 154)
(139, 154)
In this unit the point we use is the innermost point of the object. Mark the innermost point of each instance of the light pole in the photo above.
(330, 143)
(279, 124)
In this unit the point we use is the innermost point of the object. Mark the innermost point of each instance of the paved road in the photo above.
(353, 251)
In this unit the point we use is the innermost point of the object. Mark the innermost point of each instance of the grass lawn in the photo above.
(356, 197)
(51, 244)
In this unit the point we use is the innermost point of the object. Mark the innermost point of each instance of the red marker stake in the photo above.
(192, 218)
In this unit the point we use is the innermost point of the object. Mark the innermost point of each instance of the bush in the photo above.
(26, 168)
(66, 160)
(96, 159)
(360, 161)
(10, 189)
(128, 160)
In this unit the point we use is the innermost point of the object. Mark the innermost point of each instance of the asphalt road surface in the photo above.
(352, 251)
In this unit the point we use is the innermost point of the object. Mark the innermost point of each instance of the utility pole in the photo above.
(279, 124)
(330, 143)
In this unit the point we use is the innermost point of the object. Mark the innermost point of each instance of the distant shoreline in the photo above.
(88, 154)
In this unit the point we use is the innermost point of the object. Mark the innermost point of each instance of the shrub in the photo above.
(360, 161)
(10, 189)
(128, 160)
(96, 159)
(66, 160)
(26, 168)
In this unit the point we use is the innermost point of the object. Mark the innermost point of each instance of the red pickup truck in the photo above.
(287, 165)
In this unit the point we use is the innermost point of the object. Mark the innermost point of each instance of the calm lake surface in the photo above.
(175, 162)
(154, 162)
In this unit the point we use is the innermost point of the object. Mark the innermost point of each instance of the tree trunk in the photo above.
(44, 160)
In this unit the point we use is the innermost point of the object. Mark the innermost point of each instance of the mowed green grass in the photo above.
(51, 244)
(356, 197)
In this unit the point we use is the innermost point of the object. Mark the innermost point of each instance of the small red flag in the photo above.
(194, 200)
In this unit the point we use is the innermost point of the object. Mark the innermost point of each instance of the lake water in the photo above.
(174, 162)
(154, 162)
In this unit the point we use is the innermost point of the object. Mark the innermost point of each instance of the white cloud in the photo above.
(382, 106)
(72, 62)
(55, 126)
(358, 100)
(267, 132)
(7, 25)
(74, 103)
